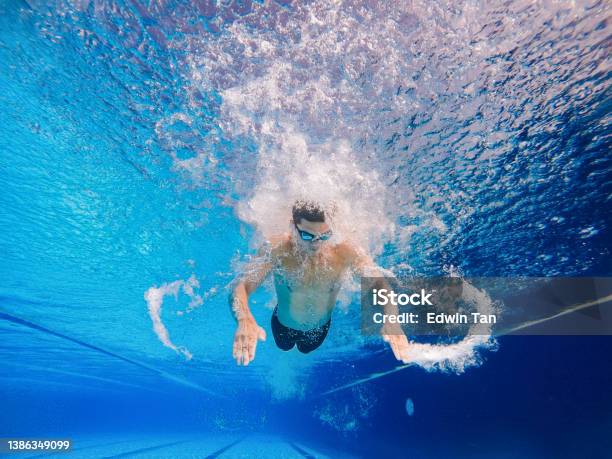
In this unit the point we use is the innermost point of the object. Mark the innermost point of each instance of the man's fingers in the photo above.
(246, 350)
(252, 349)
(236, 348)
(245, 344)
(404, 346)
(404, 355)
(249, 351)
(239, 355)
(245, 356)
(238, 351)
(392, 345)
(399, 347)
(401, 356)
(398, 350)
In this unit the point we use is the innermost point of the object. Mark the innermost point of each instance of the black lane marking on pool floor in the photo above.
(306, 454)
(219, 452)
(33, 326)
(25, 323)
(145, 450)
(74, 450)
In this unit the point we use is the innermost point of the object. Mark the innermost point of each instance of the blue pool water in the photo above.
(148, 147)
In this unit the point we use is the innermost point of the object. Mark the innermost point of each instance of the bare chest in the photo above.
(322, 272)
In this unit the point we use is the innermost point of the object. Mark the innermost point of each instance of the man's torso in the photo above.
(307, 286)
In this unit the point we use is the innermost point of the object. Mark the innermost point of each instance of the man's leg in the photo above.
(312, 339)
(283, 336)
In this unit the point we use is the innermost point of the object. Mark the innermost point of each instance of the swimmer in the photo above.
(308, 270)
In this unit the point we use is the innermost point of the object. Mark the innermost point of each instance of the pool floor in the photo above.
(207, 447)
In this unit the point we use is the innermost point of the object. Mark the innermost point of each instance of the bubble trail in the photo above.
(523, 326)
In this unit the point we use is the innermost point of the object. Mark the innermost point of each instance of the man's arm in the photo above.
(255, 272)
(247, 331)
(363, 266)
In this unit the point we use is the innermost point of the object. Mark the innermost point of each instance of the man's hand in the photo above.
(245, 340)
(394, 335)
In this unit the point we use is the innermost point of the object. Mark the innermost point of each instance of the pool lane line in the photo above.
(145, 450)
(522, 326)
(562, 313)
(46, 383)
(219, 452)
(306, 454)
(169, 376)
(86, 376)
(76, 450)
(366, 379)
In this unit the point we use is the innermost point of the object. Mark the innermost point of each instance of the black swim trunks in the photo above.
(306, 341)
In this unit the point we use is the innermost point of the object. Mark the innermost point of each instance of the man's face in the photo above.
(311, 235)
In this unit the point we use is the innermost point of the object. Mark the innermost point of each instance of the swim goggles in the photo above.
(306, 236)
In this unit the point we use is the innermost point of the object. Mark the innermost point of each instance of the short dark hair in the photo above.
(307, 210)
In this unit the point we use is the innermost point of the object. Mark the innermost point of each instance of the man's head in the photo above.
(309, 221)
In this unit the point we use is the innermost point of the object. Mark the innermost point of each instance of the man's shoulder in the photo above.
(279, 243)
(346, 250)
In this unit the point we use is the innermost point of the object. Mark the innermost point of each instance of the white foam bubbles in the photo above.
(319, 93)
(329, 174)
(459, 356)
(154, 297)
